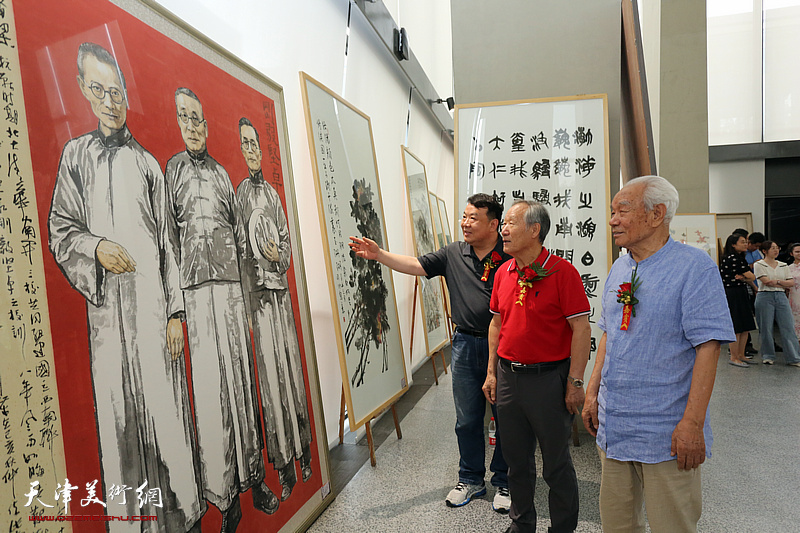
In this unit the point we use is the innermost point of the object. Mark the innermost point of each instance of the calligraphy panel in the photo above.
(554, 151)
(362, 291)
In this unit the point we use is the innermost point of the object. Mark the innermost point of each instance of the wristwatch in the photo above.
(577, 383)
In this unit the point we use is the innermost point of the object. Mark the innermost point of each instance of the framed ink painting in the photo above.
(158, 266)
(362, 291)
(423, 232)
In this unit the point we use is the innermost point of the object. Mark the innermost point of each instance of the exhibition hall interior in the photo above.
(399, 265)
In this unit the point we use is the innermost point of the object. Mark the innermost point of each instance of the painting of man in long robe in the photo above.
(209, 236)
(108, 234)
(264, 264)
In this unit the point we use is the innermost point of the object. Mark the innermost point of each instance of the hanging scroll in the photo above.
(554, 151)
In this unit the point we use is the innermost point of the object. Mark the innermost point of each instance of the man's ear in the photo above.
(494, 223)
(658, 213)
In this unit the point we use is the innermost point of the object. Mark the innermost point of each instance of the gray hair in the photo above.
(186, 92)
(658, 190)
(536, 213)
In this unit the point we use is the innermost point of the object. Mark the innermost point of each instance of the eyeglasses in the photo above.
(185, 118)
(252, 144)
(100, 92)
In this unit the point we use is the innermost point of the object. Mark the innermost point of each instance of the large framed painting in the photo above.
(362, 291)
(425, 242)
(158, 363)
(550, 150)
(698, 230)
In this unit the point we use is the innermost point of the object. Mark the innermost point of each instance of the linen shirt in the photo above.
(462, 270)
(780, 272)
(647, 373)
(538, 331)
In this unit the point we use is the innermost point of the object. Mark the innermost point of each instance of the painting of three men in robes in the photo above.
(151, 250)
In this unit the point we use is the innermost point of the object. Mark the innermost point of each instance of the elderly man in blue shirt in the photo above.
(664, 318)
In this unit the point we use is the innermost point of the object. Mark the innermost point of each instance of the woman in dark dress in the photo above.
(735, 272)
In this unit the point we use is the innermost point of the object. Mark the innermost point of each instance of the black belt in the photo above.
(534, 368)
(472, 332)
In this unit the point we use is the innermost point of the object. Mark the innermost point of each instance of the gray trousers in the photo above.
(530, 408)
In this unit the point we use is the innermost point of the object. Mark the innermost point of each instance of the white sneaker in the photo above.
(502, 500)
(463, 493)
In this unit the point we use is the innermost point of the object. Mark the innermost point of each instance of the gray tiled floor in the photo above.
(750, 485)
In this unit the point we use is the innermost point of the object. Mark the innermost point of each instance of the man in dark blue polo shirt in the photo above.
(469, 268)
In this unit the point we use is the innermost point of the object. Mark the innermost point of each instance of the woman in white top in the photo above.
(773, 306)
(794, 292)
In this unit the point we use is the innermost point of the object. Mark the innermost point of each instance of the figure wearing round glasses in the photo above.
(267, 258)
(210, 238)
(108, 228)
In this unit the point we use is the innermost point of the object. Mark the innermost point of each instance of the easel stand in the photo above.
(368, 427)
(411, 345)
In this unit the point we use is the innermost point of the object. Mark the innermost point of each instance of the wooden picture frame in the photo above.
(97, 101)
(727, 222)
(431, 299)
(436, 216)
(448, 234)
(551, 150)
(362, 292)
(698, 230)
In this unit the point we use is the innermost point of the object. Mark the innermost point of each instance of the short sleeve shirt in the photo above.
(647, 372)
(780, 272)
(731, 266)
(463, 270)
(538, 330)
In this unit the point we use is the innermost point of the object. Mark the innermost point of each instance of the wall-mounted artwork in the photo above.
(554, 151)
(362, 291)
(419, 205)
(448, 235)
(162, 345)
(698, 230)
(438, 226)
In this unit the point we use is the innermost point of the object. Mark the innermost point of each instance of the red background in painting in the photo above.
(49, 33)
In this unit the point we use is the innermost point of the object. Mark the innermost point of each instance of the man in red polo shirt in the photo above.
(539, 343)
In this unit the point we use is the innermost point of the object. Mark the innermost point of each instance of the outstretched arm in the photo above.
(369, 249)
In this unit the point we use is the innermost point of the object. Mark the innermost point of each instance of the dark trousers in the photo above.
(532, 408)
(469, 361)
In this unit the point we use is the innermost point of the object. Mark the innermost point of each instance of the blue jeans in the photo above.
(772, 307)
(469, 361)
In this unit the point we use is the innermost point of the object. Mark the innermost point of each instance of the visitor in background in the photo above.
(773, 306)
(735, 273)
(794, 292)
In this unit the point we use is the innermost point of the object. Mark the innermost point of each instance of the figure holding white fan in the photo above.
(277, 352)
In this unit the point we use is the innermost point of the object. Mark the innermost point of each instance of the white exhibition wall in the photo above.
(280, 39)
(737, 187)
